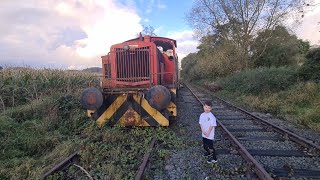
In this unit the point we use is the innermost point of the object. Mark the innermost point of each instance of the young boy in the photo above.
(208, 123)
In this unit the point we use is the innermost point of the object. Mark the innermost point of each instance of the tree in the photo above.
(187, 65)
(219, 38)
(278, 50)
(304, 46)
(148, 30)
(244, 19)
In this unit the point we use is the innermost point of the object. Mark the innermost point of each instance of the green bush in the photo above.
(262, 80)
(310, 70)
(279, 49)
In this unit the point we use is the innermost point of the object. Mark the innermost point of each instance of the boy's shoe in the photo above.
(205, 154)
(212, 161)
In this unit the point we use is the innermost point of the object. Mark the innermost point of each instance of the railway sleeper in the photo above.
(290, 172)
(274, 153)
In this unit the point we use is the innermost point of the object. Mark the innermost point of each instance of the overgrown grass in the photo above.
(19, 86)
(300, 102)
(41, 123)
(277, 91)
(262, 80)
(116, 153)
(27, 138)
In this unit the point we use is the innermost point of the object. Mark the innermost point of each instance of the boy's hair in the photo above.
(208, 103)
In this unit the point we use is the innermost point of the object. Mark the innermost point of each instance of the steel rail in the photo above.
(73, 158)
(300, 140)
(257, 167)
(145, 161)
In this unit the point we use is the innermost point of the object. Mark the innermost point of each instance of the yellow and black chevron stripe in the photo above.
(172, 108)
(133, 110)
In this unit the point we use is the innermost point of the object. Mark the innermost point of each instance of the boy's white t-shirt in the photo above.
(207, 120)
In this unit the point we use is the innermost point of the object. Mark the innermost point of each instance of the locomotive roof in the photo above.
(154, 38)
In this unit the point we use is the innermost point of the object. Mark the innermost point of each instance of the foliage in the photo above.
(260, 81)
(187, 64)
(218, 56)
(277, 91)
(239, 20)
(304, 46)
(277, 48)
(116, 153)
(215, 57)
(310, 70)
(222, 61)
(299, 103)
(23, 85)
(27, 143)
(40, 111)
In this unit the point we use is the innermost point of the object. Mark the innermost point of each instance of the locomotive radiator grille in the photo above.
(133, 65)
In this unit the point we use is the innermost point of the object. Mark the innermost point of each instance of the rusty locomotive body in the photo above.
(139, 84)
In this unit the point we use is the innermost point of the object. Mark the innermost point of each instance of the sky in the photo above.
(74, 34)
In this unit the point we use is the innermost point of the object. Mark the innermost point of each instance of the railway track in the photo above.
(270, 151)
(69, 168)
(248, 147)
(64, 169)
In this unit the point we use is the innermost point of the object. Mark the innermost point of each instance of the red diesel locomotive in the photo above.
(139, 84)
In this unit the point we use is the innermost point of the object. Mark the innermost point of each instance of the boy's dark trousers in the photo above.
(208, 146)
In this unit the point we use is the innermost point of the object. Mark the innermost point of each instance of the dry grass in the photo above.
(23, 85)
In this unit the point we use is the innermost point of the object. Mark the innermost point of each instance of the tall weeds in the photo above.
(19, 86)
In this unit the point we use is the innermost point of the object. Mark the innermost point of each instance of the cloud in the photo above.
(72, 34)
(149, 7)
(158, 4)
(309, 29)
(186, 42)
(58, 33)
(305, 23)
(161, 5)
(146, 20)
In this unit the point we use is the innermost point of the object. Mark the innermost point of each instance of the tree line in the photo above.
(237, 35)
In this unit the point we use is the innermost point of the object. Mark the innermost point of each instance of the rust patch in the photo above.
(159, 98)
(91, 98)
(130, 117)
